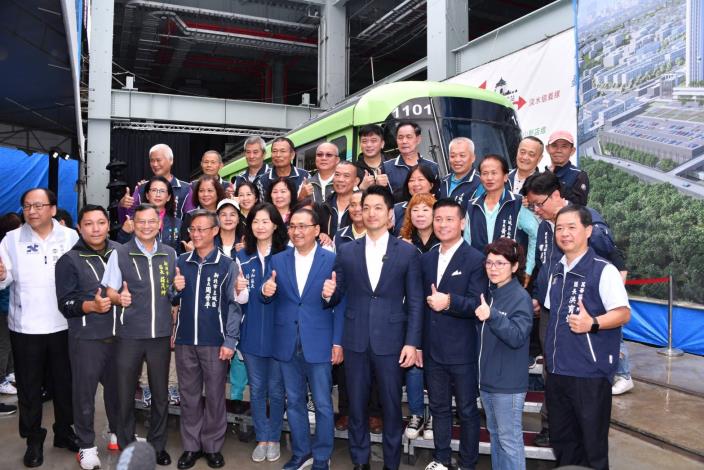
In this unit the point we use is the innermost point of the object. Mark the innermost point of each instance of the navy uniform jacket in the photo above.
(397, 171)
(574, 183)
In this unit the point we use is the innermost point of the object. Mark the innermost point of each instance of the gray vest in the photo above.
(148, 280)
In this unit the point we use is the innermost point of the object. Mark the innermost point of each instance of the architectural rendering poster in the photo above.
(641, 134)
(539, 79)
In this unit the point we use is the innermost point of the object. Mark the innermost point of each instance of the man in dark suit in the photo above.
(383, 323)
(307, 336)
(449, 353)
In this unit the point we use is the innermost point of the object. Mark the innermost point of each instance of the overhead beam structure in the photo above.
(447, 30)
(332, 55)
(160, 107)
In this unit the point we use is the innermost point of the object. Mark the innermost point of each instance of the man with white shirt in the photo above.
(528, 155)
(38, 330)
(319, 184)
(588, 305)
(307, 336)
(453, 279)
(380, 278)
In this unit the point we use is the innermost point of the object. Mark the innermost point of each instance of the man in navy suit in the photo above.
(453, 279)
(307, 336)
(383, 323)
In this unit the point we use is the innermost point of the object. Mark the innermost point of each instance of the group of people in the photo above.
(370, 275)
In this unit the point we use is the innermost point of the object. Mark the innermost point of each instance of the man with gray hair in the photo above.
(463, 182)
(161, 159)
(254, 152)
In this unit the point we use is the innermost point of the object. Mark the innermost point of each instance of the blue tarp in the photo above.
(649, 325)
(20, 172)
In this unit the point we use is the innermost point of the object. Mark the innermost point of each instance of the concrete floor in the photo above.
(649, 409)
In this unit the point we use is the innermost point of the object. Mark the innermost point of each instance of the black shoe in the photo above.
(188, 459)
(542, 439)
(163, 458)
(215, 460)
(46, 396)
(67, 441)
(34, 456)
(238, 407)
(361, 466)
(7, 409)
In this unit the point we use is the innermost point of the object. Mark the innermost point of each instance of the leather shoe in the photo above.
(376, 425)
(342, 423)
(542, 439)
(188, 459)
(361, 466)
(215, 460)
(67, 441)
(34, 456)
(163, 457)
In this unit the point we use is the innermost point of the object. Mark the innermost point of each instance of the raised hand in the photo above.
(241, 284)
(125, 296)
(179, 280)
(127, 200)
(483, 311)
(329, 286)
(187, 246)
(306, 189)
(269, 287)
(382, 179)
(580, 322)
(128, 225)
(367, 181)
(437, 300)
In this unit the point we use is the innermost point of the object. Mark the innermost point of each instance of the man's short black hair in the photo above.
(369, 129)
(145, 207)
(542, 184)
(91, 208)
(62, 215)
(585, 217)
(205, 213)
(502, 161)
(49, 194)
(284, 139)
(383, 191)
(449, 202)
(304, 210)
(414, 125)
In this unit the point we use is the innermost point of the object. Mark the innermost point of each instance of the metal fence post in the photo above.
(669, 351)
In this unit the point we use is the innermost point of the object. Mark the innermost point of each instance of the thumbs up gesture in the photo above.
(241, 284)
(101, 304)
(125, 296)
(580, 322)
(179, 281)
(128, 225)
(367, 181)
(306, 189)
(3, 271)
(437, 301)
(269, 287)
(483, 311)
(127, 200)
(329, 286)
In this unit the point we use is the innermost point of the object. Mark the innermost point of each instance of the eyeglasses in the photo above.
(325, 155)
(150, 222)
(193, 230)
(496, 264)
(37, 206)
(158, 191)
(538, 205)
(300, 227)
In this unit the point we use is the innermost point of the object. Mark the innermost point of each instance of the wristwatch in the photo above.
(595, 325)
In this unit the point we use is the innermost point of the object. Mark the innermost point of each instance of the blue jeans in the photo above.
(624, 368)
(503, 420)
(414, 390)
(297, 372)
(265, 382)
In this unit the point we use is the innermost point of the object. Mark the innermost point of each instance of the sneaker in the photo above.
(273, 451)
(428, 429)
(88, 458)
(298, 463)
(112, 442)
(7, 409)
(542, 439)
(10, 377)
(174, 396)
(6, 388)
(259, 453)
(435, 465)
(621, 385)
(146, 396)
(415, 424)
(311, 410)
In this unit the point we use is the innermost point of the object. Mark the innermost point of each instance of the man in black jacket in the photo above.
(91, 328)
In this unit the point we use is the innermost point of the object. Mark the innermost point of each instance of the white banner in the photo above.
(540, 80)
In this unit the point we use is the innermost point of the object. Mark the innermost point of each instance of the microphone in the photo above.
(137, 456)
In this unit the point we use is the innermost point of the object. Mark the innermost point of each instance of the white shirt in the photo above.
(444, 259)
(611, 288)
(303, 264)
(375, 252)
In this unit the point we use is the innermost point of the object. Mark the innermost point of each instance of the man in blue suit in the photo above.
(453, 279)
(383, 323)
(307, 336)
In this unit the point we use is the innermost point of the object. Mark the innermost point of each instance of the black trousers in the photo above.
(338, 374)
(92, 362)
(129, 355)
(579, 412)
(34, 356)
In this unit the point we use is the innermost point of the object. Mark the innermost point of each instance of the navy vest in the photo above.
(506, 221)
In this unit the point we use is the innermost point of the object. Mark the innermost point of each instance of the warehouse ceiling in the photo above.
(249, 49)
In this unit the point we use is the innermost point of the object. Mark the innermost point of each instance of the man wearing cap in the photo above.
(574, 183)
